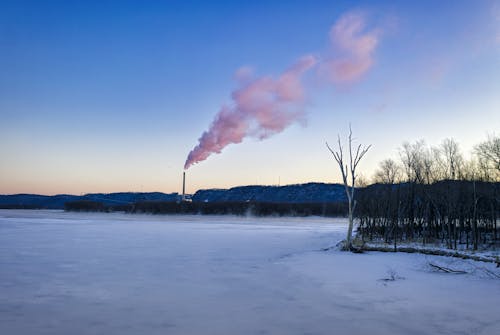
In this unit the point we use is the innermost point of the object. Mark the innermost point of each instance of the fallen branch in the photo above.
(447, 270)
(434, 252)
(491, 273)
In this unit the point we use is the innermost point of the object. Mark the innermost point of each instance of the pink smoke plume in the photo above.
(353, 47)
(261, 107)
(264, 106)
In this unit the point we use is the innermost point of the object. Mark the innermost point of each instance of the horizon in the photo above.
(109, 97)
(237, 186)
(175, 192)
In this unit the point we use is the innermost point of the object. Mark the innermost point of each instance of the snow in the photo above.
(72, 273)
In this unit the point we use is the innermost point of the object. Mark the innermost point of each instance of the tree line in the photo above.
(434, 195)
(254, 208)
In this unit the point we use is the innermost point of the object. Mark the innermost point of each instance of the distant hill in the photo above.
(58, 201)
(300, 193)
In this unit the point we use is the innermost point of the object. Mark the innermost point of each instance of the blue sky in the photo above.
(111, 96)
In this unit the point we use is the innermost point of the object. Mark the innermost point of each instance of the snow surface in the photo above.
(71, 273)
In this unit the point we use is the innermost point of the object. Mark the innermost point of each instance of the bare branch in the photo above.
(336, 155)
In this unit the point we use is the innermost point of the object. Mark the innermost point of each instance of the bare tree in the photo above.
(488, 153)
(471, 170)
(453, 158)
(430, 165)
(388, 172)
(348, 170)
(440, 165)
(412, 160)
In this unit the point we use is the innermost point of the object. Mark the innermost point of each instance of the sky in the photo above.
(112, 96)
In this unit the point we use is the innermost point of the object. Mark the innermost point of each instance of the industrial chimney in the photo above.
(183, 186)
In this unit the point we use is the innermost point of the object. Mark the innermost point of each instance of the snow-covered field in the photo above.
(69, 273)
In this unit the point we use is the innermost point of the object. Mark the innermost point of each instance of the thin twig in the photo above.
(447, 270)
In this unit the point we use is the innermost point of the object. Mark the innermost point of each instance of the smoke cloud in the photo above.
(261, 108)
(353, 48)
(264, 106)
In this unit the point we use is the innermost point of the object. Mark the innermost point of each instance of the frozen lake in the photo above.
(72, 273)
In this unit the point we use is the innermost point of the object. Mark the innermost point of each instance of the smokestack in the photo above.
(184, 186)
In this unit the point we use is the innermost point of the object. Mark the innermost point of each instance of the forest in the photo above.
(434, 196)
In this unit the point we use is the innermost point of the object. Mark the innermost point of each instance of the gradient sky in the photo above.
(111, 96)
